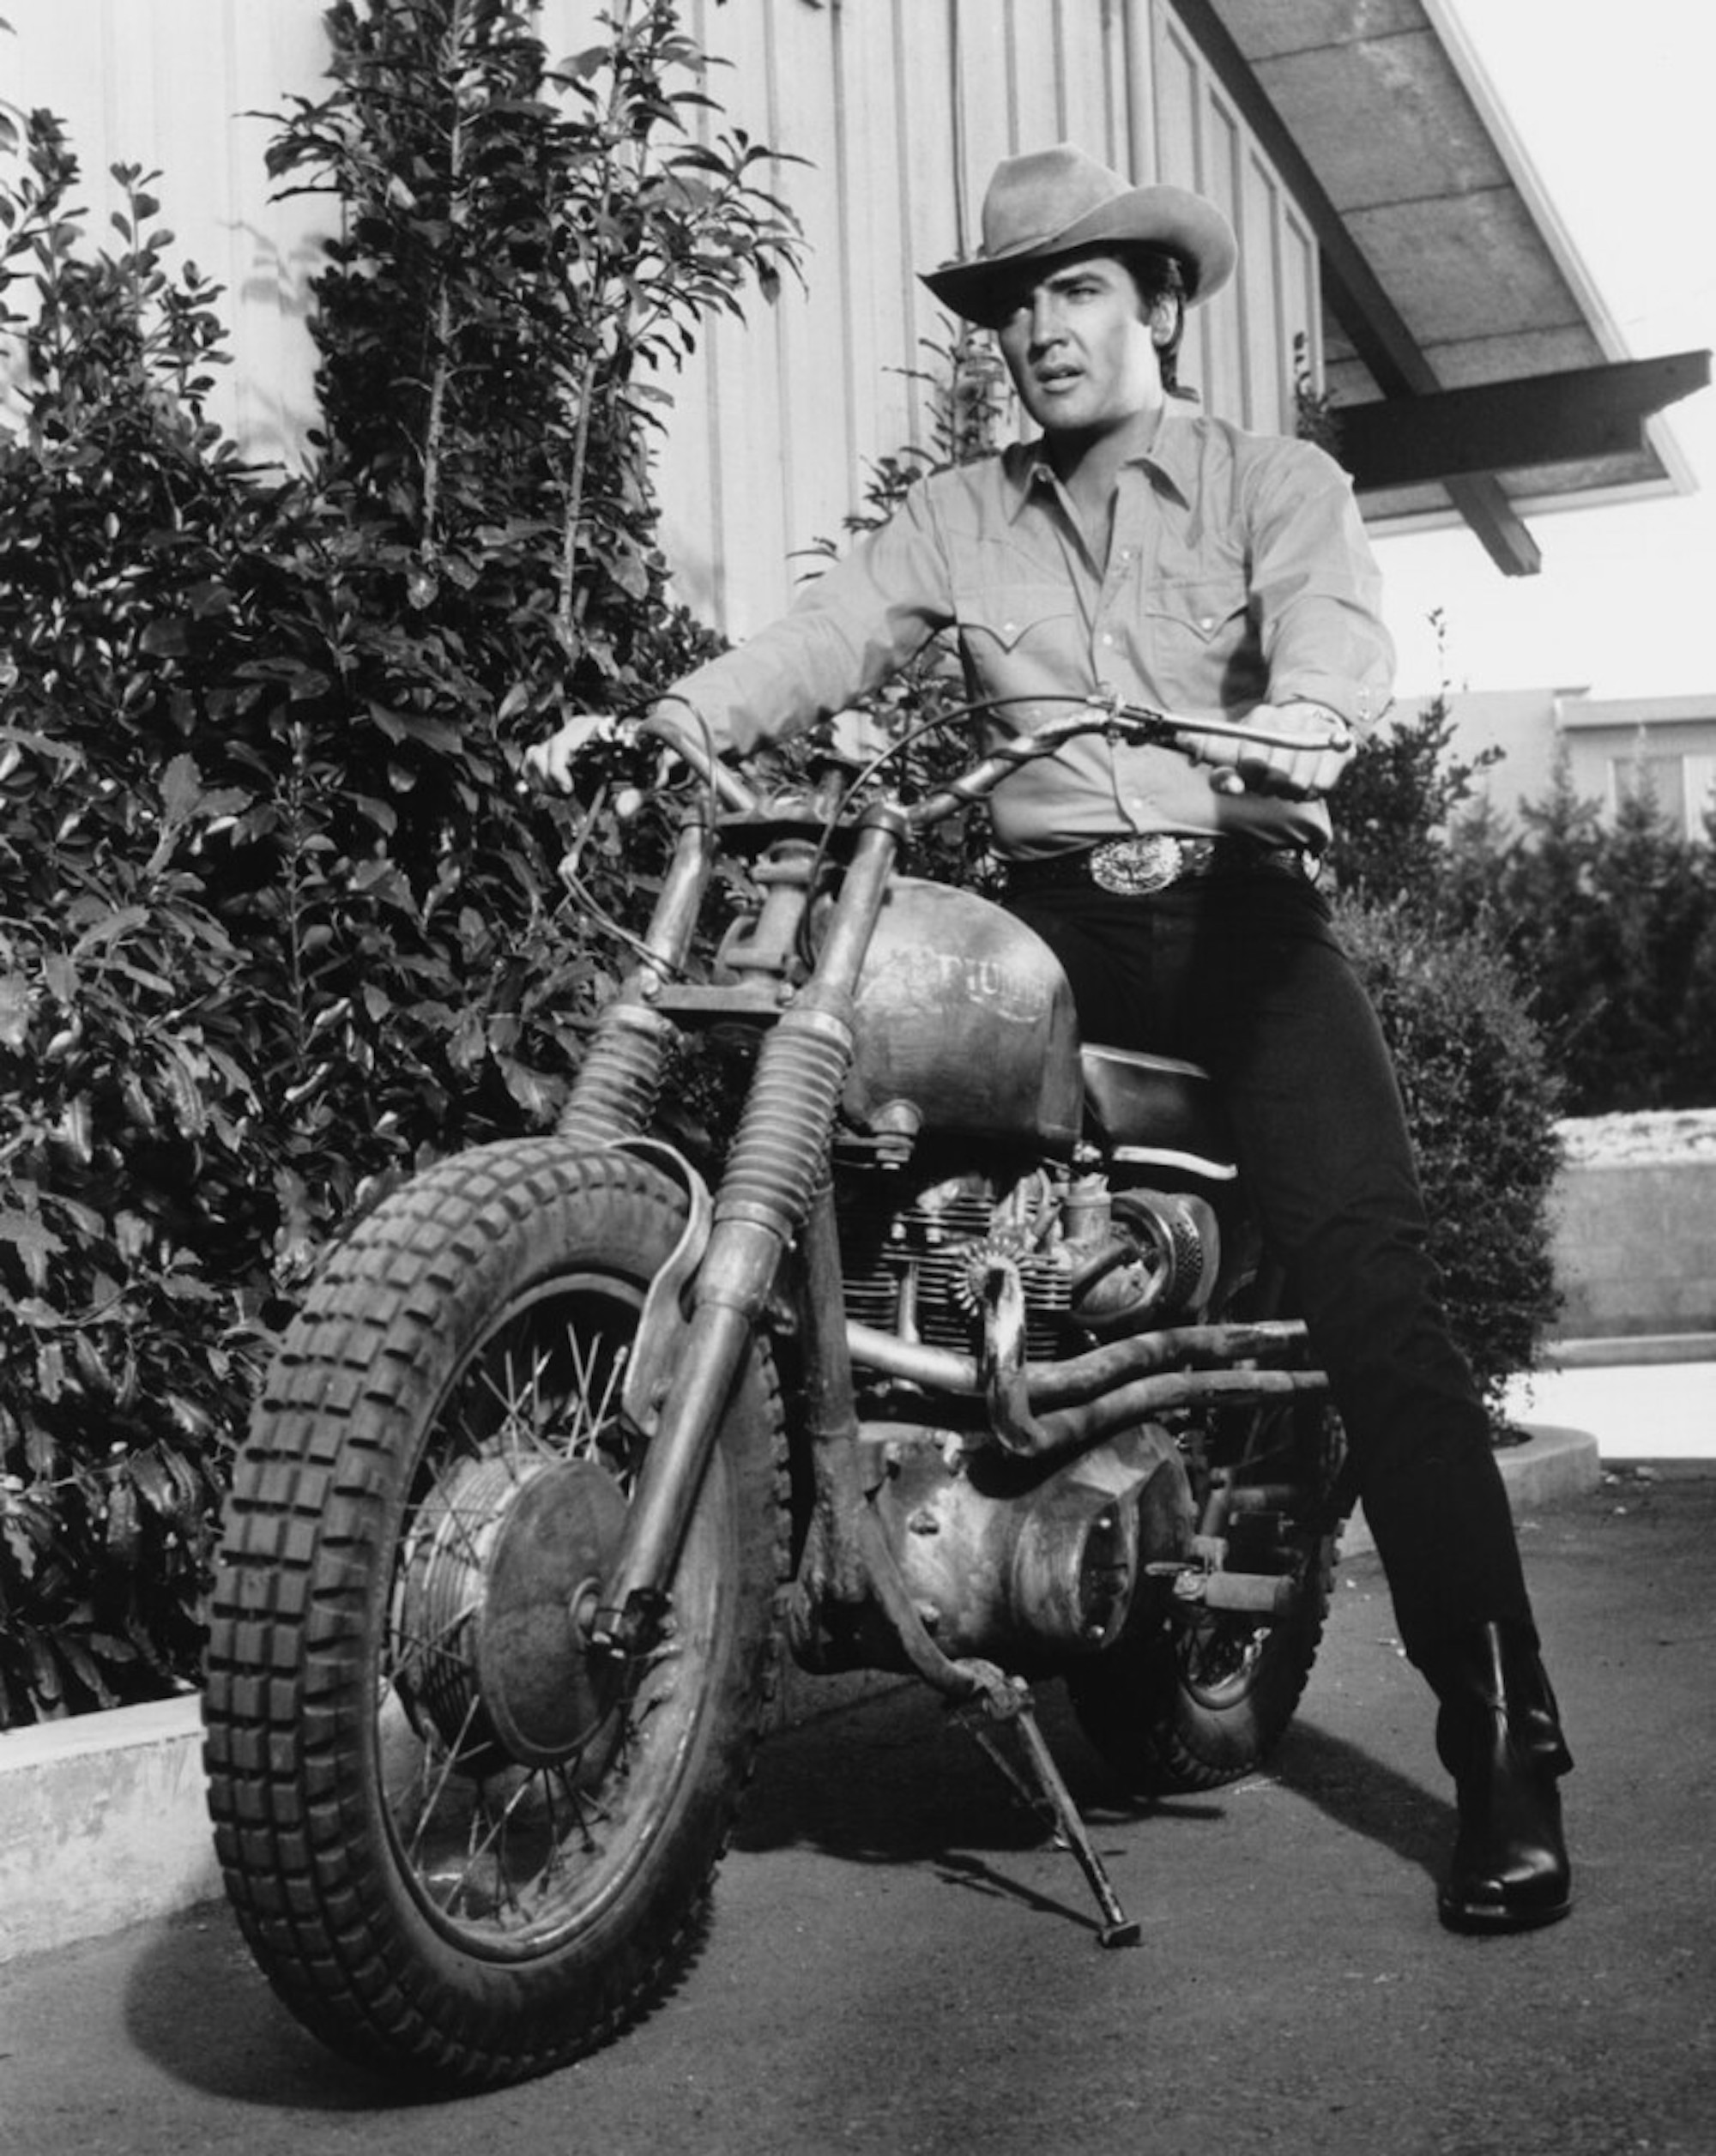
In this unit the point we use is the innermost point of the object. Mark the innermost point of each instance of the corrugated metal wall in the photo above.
(899, 109)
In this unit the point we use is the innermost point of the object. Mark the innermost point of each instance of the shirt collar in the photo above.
(1172, 457)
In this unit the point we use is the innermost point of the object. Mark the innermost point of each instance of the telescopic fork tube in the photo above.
(778, 1158)
(614, 1094)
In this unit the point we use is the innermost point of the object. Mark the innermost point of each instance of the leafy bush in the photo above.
(1481, 1101)
(1396, 800)
(127, 1186)
(1476, 1063)
(274, 921)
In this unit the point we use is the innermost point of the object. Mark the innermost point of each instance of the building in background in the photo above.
(1611, 747)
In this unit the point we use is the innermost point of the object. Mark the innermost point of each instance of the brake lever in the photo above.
(583, 814)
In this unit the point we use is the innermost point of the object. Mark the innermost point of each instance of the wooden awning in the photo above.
(1470, 365)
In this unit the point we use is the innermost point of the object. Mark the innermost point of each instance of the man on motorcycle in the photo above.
(1140, 549)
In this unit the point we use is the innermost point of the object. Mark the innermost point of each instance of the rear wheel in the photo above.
(1192, 1698)
(456, 1842)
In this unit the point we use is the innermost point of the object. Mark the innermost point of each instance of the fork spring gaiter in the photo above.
(614, 1094)
(781, 1151)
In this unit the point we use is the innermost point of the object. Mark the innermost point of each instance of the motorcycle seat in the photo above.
(1154, 1110)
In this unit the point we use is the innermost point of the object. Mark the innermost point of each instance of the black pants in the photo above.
(1245, 974)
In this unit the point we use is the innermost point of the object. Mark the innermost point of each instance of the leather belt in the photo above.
(1132, 868)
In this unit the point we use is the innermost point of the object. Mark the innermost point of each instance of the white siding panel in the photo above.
(1268, 362)
(938, 223)
(1242, 354)
(1179, 100)
(1037, 81)
(1301, 297)
(1224, 379)
(982, 91)
(815, 421)
(743, 384)
(1094, 79)
(878, 260)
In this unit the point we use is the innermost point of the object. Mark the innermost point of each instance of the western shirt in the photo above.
(1237, 573)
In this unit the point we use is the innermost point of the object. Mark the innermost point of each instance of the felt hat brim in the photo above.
(1059, 203)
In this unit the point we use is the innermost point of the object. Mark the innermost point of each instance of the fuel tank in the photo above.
(963, 1013)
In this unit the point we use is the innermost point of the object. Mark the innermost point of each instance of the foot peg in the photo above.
(1044, 1792)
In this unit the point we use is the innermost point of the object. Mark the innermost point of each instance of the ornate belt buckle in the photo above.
(1130, 867)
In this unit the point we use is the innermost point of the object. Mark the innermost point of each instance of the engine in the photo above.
(1001, 1555)
(1091, 1262)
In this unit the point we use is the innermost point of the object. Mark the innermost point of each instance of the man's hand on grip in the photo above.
(551, 763)
(1296, 773)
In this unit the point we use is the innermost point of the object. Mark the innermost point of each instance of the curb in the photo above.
(1637, 1351)
(1552, 1463)
(102, 1817)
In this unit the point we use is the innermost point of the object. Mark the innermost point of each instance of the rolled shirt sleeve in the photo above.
(1316, 589)
(860, 622)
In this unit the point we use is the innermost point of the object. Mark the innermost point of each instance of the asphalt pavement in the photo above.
(897, 1963)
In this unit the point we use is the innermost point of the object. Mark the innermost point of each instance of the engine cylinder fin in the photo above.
(924, 1251)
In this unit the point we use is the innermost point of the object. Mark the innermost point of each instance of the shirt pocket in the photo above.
(1003, 619)
(1019, 641)
(1203, 652)
(1204, 610)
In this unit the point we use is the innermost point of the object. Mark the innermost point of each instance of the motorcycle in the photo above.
(966, 1364)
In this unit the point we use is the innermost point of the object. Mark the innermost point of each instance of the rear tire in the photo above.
(1189, 1699)
(457, 1844)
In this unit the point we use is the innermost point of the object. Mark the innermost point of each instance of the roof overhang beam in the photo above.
(1581, 414)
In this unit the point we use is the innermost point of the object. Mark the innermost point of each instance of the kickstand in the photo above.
(1046, 1794)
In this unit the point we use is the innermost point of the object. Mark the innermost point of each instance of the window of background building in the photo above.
(1684, 786)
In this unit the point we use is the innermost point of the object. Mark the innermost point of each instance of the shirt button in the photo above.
(1108, 639)
(1207, 622)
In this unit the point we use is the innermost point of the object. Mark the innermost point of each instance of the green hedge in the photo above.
(275, 919)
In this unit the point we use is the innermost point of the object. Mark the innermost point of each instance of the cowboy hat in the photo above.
(1058, 201)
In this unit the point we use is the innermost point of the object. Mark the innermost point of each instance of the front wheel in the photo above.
(457, 1842)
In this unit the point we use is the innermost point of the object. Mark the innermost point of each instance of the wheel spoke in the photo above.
(497, 1849)
(438, 1777)
(598, 1372)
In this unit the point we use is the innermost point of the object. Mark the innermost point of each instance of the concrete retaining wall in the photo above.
(1635, 1248)
(102, 1823)
(104, 1818)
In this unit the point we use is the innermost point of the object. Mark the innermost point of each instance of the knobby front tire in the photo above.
(457, 1845)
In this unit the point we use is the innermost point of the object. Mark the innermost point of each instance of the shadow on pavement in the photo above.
(894, 1780)
(199, 2009)
(1362, 1795)
(891, 1782)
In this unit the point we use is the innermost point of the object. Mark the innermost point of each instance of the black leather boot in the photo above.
(1499, 1735)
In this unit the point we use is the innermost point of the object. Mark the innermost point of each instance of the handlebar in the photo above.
(1133, 722)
